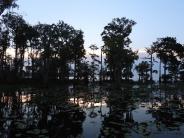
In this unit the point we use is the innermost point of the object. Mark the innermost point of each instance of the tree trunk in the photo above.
(75, 63)
(22, 62)
(74, 77)
(117, 77)
(16, 63)
(165, 72)
(151, 69)
(46, 72)
(160, 72)
(101, 68)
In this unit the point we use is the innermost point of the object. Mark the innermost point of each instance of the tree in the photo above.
(173, 69)
(45, 40)
(84, 71)
(4, 45)
(94, 63)
(142, 70)
(116, 42)
(64, 52)
(19, 33)
(151, 59)
(167, 50)
(128, 65)
(61, 45)
(5, 4)
(78, 51)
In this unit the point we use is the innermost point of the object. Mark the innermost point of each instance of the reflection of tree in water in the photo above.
(90, 99)
(38, 113)
(169, 112)
(120, 118)
(165, 105)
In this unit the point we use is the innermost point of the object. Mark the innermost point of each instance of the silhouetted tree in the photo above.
(19, 33)
(84, 71)
(116, 42)
(4, 45)
(5, 4)
(128, 65)
(152, 60)
(94, 63)
(142, 70)
(60, 46)
(45, 45)
(167, 50)
(78, 51)
(63, 48)
(173, 69)
(33, 51)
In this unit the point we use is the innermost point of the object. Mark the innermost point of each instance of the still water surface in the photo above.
(91, 112)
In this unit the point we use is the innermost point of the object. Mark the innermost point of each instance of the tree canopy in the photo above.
(169, 51)
(116, 46)
(5, 4)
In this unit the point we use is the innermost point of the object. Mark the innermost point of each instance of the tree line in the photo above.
(171, 58)
(55, 52)
(49, 49)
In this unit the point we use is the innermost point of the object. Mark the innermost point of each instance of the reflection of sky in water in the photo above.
(140, 115)
(92, 126)
(22, 98)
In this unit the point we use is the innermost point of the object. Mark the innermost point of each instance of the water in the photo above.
(133, 111)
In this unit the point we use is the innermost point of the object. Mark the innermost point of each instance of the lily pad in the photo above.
(44, 131)
(18, 135)
(33, 132)
(20, 125)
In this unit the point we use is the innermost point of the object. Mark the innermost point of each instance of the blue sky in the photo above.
(155, 18)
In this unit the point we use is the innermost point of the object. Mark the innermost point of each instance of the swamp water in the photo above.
(92, 112)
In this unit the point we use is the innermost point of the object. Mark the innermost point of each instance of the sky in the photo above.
(154, 18)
